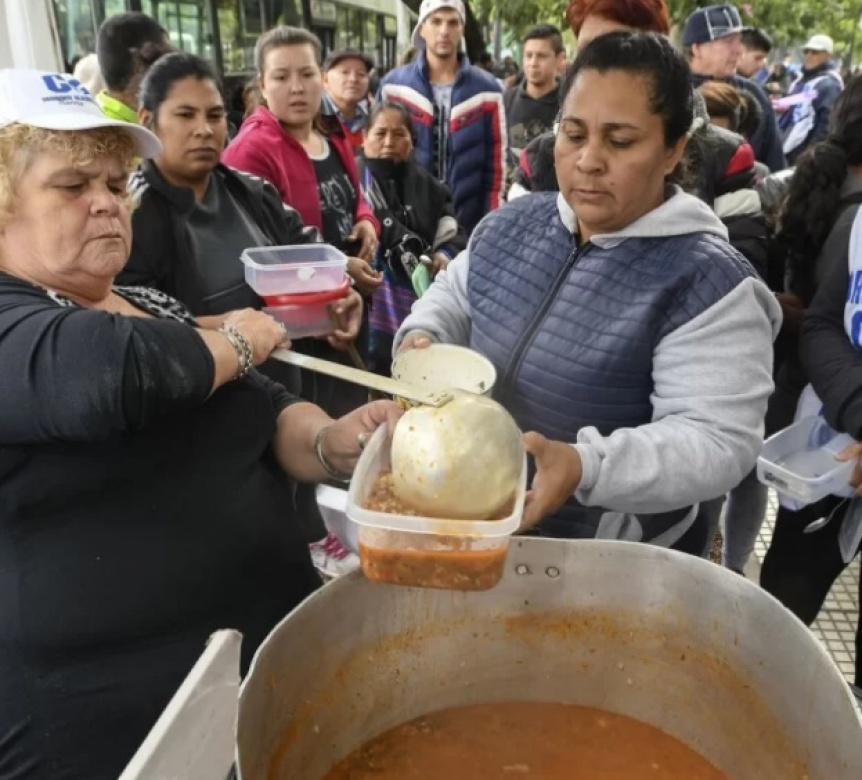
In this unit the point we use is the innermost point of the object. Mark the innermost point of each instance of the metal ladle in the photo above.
(357, 376)
(458, 455)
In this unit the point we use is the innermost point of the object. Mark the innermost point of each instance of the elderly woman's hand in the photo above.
(344, 440)
(366, 278)
(364, 232)
(264, 334)
(558, 474)
(347, 314)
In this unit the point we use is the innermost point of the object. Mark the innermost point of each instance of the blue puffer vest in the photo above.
(572, 331)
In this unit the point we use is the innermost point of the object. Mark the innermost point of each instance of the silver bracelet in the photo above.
(327, 467)
(242, 347)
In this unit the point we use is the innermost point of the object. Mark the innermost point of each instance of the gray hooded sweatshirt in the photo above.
(712, 378)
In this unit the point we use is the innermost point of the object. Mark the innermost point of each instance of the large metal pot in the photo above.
(653, 634)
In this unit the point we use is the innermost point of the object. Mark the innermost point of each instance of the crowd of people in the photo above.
(657, 246)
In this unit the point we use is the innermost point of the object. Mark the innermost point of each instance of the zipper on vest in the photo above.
(507, 386)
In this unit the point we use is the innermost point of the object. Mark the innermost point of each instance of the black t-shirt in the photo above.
(528, 117)
(337, 196)
(219, 231)
(138, 514)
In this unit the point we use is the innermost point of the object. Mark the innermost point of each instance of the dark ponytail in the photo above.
(813, 200)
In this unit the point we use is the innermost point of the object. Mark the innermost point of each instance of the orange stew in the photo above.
(524, 740)
(448, 569)
(427, 561)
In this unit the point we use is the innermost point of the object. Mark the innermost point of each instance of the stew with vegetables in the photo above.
(529, 740)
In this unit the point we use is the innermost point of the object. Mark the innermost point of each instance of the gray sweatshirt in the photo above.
(712, 379)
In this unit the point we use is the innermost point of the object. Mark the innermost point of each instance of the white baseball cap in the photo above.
(58, 101)
(820, 43)
(429, 7)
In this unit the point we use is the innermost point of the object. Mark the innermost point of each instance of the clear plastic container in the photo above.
(799, 462)
(427, 552)
(293, 270)
(306, 316)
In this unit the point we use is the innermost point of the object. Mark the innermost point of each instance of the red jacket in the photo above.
(264, 148)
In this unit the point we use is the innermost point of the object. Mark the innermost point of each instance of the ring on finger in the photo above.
(362, 439)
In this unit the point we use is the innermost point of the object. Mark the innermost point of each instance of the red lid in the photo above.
(308, 299)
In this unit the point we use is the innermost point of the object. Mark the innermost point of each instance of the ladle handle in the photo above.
(363, 378)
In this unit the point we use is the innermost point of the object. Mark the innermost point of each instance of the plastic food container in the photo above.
(293, 270)
(799, 462)
(444, 367)
(305, 316)
(422, 551)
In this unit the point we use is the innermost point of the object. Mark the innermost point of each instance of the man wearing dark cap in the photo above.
(346, 78)
(127, 45)
(712, 40)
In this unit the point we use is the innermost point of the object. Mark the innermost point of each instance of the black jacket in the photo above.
(162, 256)
(828, 356)
(766, 141)
(823, 325)
(409, 201)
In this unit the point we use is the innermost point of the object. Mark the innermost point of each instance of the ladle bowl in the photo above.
(460, 461)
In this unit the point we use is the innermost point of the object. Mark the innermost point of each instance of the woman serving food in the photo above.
(143, 503)
(625, 330)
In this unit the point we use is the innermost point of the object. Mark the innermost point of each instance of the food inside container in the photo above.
(274, 271)
(398, 545)
(307, 315)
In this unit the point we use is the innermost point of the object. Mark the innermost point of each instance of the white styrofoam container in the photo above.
(293, 270)
(799, 462)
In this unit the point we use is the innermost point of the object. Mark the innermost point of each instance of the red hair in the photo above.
(644, 15)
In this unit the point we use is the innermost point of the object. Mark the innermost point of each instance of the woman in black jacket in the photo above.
(816, 223)
(419, 232)
(195, 218)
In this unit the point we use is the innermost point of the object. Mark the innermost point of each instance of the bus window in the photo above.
(187, 24)
(240, 25)
(290, 13)
(76, 24)
(371, 40)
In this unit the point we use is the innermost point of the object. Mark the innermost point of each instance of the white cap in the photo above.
(58, 101)
(429, 7)
(820, 43)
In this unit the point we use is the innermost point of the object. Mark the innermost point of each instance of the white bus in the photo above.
(54, 34)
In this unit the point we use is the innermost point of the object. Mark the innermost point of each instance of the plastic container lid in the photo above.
(375, 460)
(310, 299)
(293, 270)
(799, 462)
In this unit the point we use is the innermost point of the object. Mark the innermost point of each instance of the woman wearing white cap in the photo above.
(142, 496)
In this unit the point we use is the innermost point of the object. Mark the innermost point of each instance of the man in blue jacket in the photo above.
(457, 112)
(805, 111)
(712, 40)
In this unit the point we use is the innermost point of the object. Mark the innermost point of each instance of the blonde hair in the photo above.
(20, 144)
